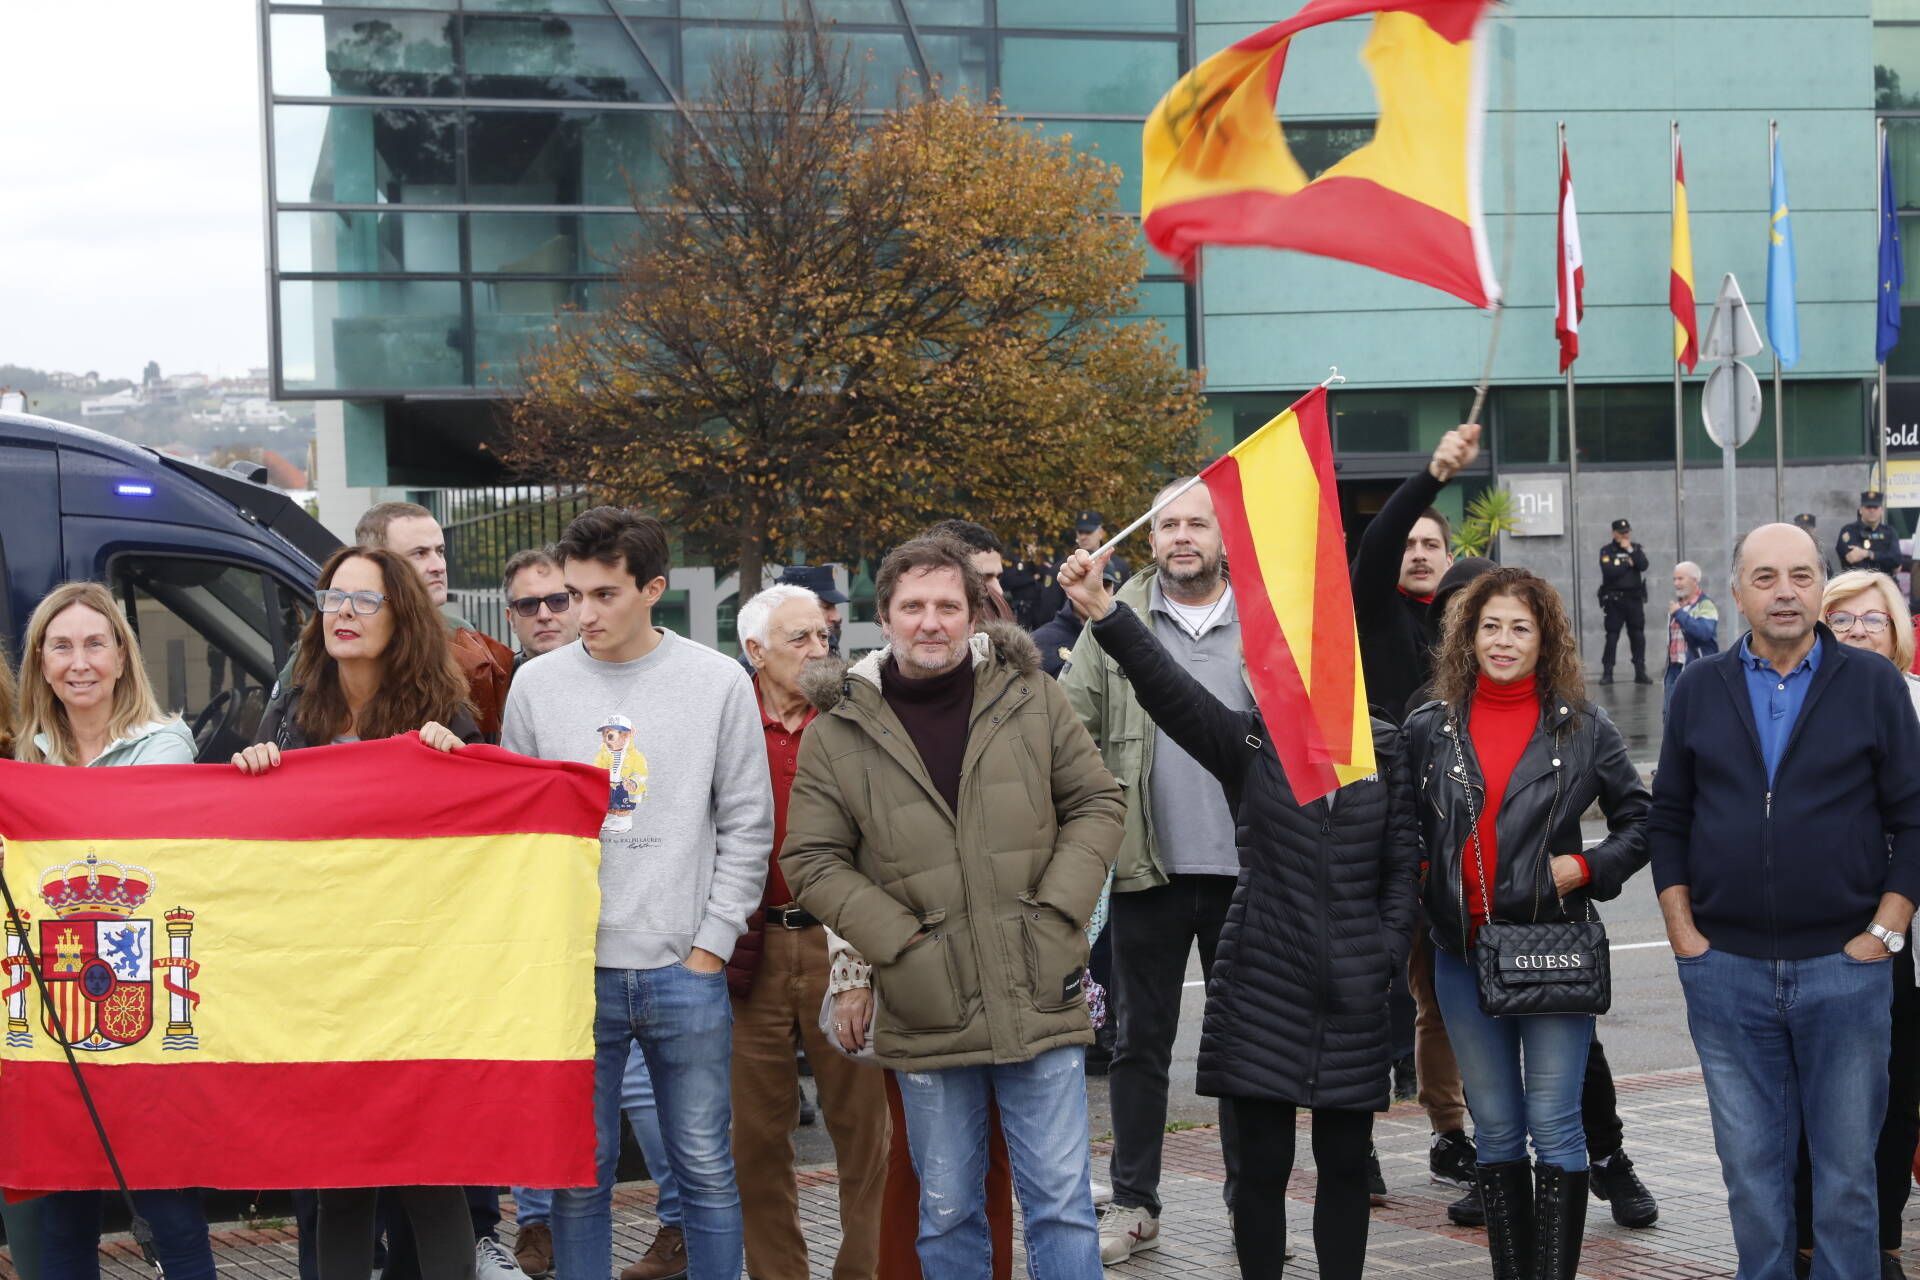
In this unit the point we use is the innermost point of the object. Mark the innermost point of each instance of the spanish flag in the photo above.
(371, 967)
(1279, 516)
(1686, 320)
(1217, 169)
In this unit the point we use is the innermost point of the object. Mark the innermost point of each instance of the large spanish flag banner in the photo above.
(1279, 516)
(1217, 169)
(372, 966)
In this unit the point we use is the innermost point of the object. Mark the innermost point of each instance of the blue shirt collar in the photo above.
(1753, 662)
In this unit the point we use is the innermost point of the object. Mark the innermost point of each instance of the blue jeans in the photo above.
(534, 1204)
(1043, 1111)
(1787, 1045)
(70, 1234)
(683, 1022)
(1522, 1075)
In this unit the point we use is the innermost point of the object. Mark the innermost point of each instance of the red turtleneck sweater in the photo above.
(1501, 723)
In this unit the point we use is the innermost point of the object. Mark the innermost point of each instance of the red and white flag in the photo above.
(1573, 275)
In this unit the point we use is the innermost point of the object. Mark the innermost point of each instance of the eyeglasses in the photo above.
(331, 600)
(527, 606)
(1875, 622)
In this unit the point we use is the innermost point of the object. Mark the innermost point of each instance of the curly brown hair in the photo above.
(1455, 665)
(420, 679)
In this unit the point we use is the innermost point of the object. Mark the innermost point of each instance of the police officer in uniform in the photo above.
(1805, 520)
(1623, 598)
(1024, 583)
(1089, 534)
(1868, 543)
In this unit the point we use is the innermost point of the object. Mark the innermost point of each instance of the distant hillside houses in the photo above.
(241, 401)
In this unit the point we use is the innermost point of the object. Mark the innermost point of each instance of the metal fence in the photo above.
(484, 528)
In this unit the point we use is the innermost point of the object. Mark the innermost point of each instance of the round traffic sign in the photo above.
(1730, 404)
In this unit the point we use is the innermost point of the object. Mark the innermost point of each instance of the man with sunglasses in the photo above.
(538, 606)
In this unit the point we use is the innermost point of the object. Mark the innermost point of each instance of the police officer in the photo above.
(1806, 521)
(1024, 583)
(1623, 598)
(1868, 543)
(1089, 534)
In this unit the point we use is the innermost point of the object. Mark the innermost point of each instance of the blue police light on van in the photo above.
(132, 489)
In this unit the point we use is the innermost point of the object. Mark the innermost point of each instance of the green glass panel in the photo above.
(568, 59)
(1904, 359)
(948, 13)
(394, 55)
(1394, 421)
(1896, 68)
(1903, 152)
(703, 49)
(764, 10)
(549, 243)
(642, 8)
(1114, 142)
(364, 155)
(511, 318)
(371, 335)
(959, 63)
(535, 6)
(370, 242)
(1092, 15)
(876, 11)
(564, 157)
(1530, 426)
(887, 63)
(1105, 77)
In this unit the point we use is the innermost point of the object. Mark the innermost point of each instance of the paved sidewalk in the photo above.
(1668, 1137)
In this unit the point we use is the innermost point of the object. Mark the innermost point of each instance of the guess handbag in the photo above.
(1545, 966)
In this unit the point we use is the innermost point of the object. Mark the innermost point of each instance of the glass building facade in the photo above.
(447, 174)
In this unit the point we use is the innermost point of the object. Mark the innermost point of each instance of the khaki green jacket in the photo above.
(1003, 887)
(1104, 701)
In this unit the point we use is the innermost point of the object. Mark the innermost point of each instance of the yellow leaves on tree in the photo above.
(844, 326)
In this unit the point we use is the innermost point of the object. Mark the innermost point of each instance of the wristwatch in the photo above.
(1893, 942)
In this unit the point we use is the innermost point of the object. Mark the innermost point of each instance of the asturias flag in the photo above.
(1783, 317)
(1893, 272)
(371, 967)
(1686, 320)
(1572, 270)
(1279, 516)
(1217, 169)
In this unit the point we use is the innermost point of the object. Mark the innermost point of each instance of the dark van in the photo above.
(214, 569)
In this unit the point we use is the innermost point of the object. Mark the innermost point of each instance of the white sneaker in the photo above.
(492, 1262)
(1126, 1230)
(1102, 1194)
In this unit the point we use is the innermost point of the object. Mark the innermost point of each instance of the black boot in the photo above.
(1640, 676)
(1559, 1221)
(1614, 1181)
(1506, 1192)
(1606, 677)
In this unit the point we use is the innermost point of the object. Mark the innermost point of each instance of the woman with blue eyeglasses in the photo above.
(374, 661)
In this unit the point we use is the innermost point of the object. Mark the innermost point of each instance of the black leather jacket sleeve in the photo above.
(1400, 862)
(1206, 728)
(1625, 801)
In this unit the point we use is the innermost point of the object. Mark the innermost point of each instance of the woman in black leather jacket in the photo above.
(1506, 759)
(1321, 918)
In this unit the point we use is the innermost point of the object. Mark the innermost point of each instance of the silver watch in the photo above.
(1893, 942)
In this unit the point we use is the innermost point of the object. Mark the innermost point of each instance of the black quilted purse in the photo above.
(1546, 966)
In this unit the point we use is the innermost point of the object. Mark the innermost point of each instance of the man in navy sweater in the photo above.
(1786, 852)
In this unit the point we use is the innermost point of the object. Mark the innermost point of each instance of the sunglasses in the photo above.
(527, 606)
(331, 600)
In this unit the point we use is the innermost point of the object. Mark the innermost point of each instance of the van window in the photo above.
(209, 634)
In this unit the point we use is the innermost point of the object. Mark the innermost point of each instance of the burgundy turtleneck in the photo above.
(935, 711)
(1501, 723)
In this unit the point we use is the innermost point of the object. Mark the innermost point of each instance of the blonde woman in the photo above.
(1866, 610)
(85, 700)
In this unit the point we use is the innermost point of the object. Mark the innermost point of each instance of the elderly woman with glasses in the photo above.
(1866, 610)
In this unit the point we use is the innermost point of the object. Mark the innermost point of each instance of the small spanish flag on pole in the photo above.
(1216, 168)
(1279, 516)
(1686, 323)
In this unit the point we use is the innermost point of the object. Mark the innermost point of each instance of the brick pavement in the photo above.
(1667, 1134)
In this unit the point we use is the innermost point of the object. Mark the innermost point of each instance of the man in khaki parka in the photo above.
(952, 820)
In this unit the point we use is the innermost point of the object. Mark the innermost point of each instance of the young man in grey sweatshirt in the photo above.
(683, 853)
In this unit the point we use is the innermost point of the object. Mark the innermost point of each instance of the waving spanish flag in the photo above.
(1217, 169)
(371, 967)
(1279, 516)
(1686, 320)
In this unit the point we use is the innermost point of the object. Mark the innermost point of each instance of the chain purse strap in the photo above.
(1473, 827)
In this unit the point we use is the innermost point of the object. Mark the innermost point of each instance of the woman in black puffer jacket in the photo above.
(1321, 919)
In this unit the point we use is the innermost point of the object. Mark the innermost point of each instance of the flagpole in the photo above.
(1679, 426)
(1779, 404)
(1333, 376)
(1573, 452)
(1879, 203)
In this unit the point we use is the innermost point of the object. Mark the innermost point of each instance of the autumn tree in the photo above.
(844, 325)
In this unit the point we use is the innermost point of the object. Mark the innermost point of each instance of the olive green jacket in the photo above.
(1104, 701)
(1002, 887)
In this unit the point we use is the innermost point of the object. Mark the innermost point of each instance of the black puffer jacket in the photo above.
(1322, 915)
(1576, 756)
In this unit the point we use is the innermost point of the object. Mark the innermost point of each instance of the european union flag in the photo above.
(1783, 317)
(1892, 270)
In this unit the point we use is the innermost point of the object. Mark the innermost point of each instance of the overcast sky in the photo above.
(130, 197)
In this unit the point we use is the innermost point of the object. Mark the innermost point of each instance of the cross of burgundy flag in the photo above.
(1573, 275)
